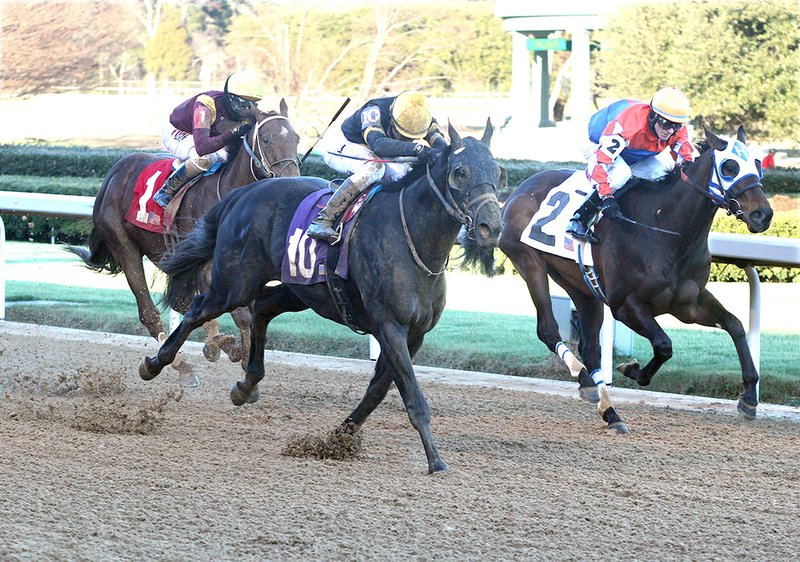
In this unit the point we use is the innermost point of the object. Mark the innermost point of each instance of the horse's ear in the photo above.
(741, 136)
(503, 179)
(487, 132)
(455, 138)
(284, 108)
(714, 141)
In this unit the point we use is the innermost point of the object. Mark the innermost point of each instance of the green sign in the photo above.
(537, 44)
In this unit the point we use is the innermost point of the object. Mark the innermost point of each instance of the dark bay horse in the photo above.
(644, 272)
(115, 245)
(398, 250)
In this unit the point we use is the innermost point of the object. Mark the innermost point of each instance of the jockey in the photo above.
(628, 136)
(387, 127)
(193, 134)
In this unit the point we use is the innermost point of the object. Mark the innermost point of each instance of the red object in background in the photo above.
(768, 161)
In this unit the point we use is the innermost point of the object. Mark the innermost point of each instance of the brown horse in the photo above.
(654, 262)
(269, 150)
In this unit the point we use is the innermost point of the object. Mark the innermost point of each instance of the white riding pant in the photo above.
(181, 145)
(335, 144)
(619, 172)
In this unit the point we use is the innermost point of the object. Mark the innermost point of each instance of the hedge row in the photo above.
(49, 161)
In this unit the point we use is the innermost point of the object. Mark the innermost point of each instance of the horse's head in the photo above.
(272, 143)
(473, 178)
(734, 180)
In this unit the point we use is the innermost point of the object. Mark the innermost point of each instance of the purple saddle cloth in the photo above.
(304, 260)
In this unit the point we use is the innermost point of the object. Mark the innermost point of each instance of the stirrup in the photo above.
(319, 231)
(580, 234)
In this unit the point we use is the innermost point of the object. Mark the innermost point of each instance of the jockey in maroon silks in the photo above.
(629, 135)
(382, 128)
(193, 133)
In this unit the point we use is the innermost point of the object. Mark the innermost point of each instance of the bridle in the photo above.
(729, 198)
(462, 212)
(257, 158)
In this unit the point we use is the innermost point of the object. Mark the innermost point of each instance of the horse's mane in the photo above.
(416, 172)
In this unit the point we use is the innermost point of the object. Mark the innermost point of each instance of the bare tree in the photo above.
(58, 44)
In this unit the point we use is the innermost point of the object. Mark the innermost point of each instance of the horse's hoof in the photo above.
(589, 393)
(437, 466)
(186, 376)
(619, 427)
(211, 352)
(144, 369)
(746, 410)
(238, 397)
(630, 369)
(254, 396)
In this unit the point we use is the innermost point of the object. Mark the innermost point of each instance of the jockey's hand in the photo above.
(425, 154)
(610, 208)
(242, 128)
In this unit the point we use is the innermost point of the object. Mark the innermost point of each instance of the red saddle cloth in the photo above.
(145, 213)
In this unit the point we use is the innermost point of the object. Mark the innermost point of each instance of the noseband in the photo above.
(257, 158)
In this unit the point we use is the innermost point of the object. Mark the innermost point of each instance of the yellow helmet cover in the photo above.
(411, 114)
(671, 104)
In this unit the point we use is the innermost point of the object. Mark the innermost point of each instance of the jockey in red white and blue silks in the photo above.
(628, 136)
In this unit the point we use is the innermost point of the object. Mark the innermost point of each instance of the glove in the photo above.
(242, 128)
(425, 154)
(610, 208)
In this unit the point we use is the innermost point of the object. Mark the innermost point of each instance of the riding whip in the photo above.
(335, 116)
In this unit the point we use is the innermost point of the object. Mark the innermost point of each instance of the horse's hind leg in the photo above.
(271, 302)
(637, 317)
(711, 313)
(590, 318)
(533, 271)
(204, 308)
(236, 352)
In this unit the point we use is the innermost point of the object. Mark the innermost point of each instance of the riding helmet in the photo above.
(411, 114)
(671, 104)
(245, 84)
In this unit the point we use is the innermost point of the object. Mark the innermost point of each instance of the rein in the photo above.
(260, 161)
(452, 208)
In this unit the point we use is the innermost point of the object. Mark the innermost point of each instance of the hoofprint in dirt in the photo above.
(97, 464)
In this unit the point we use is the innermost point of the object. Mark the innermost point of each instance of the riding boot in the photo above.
(321, 228)
(180, 177)
(578, 225)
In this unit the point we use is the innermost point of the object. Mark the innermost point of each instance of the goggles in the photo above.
(239, 104)
(668, 125)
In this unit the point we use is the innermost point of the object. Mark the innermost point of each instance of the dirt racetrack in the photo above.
(97, 464)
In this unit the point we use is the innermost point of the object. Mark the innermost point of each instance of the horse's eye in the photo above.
(729, 169)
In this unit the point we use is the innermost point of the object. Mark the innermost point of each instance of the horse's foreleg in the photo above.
(394, 347)
(376, 392)
(711, 313)
(241, 317)
(212, 342)
(637, 317)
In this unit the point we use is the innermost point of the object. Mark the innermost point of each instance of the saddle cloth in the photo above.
(149, 215)
(304, 260)
(546, 230)
(143, 212)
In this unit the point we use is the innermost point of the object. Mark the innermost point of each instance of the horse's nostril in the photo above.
(484, 231)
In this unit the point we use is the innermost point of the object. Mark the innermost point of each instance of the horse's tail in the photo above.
(473, 256)
(185, 263)
(98, 256)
